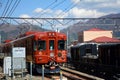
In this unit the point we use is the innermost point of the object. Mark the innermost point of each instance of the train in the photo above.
(46, 48)
(102, 60)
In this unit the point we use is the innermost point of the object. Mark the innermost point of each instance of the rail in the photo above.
(80, 74)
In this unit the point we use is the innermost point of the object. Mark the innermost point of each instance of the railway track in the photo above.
(75, 75)
(65, 74)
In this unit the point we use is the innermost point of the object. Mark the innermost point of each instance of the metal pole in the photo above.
(42, 72)
(67, 39)
(0, 39)
(12, 64)
(22, 67)
(67, 47)
(5, 70)
(31, 70)
(61, 75)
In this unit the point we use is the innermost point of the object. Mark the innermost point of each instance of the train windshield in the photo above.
(61, 44)
(35, 47)
(51, 44)
(41, 45)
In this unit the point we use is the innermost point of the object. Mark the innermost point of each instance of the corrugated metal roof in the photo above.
(105, 39)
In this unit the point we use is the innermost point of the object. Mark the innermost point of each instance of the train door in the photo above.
(42, 51)
(52, 48)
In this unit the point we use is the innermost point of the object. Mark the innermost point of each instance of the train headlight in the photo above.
(51, 54)
(59, 54)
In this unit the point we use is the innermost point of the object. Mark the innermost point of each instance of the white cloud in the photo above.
(44, 13)
(84, 13)
(118, 1)
(75, 1)
(38, 10)
(59, 14)
(48, 11)
(73, 13)
(25, 20)
(109, 4)
(95, 0)
(24, 16)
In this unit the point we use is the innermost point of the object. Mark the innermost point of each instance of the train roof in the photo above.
(31, 34)
(102, 44)
(81, 44)
(43, 32)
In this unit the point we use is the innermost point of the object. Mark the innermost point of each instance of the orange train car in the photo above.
(42, 48)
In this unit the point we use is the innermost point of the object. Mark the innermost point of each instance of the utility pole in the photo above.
(67, 39)
(0, 39)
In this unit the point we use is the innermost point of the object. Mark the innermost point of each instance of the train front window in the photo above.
(51, 44)
(41, 45)
(88, 50)
(61, 44)
(35, 45)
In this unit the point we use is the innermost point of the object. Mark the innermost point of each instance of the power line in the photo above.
(13, 7)
(55, 6)
(43, 11)
(5, 8)
(58, 4)
(0, 4)
(10, 8)
(67, 9)
(51, 4)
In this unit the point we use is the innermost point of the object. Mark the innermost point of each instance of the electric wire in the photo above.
(58, 4)
(72, 5)
(5, 8)
(0, 4)
(8, 8)
(48, 6)
(13, 7)
(54, 6)
(66, 10)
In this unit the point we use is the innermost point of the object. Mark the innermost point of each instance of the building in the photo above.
(94, 33)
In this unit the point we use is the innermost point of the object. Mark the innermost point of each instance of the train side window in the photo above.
(41, 45)
(61, 44)
(35, 45)
(88, 50)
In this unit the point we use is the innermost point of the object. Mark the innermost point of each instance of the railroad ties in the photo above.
(76, 75)
(65, 74)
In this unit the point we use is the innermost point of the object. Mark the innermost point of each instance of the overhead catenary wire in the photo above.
(6, 6)
(0, 4)
(13, 7)
(10, 7)
(58, 4)
(54, 6)
(61, 2)
(43, 11)
(72, 5)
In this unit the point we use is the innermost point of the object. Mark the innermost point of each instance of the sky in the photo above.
(59, 8)
(63, 8)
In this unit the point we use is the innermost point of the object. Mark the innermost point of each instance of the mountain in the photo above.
(112, 16)
(11, 31)
(107, 24)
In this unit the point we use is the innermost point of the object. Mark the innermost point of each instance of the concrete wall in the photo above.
(90, 35)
